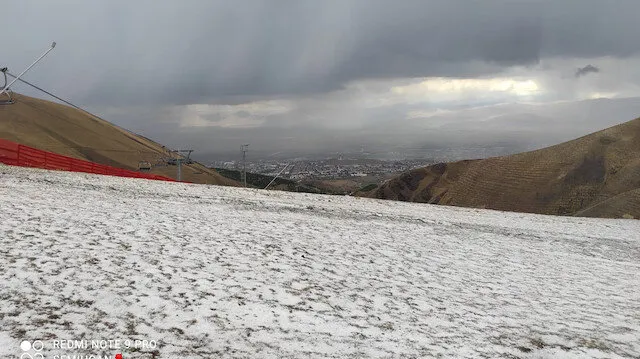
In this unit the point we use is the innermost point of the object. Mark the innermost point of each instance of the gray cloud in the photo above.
(149, 52)
(294, 75)
(587, 70)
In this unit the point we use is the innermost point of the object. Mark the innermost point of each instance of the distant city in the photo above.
(356, 165)
(325, 169)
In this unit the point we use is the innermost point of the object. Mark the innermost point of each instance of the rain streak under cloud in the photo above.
(300, 75)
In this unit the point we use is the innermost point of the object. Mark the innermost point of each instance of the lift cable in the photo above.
(52, 95)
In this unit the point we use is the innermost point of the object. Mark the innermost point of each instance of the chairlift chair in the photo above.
(144, 166)
(9, 99)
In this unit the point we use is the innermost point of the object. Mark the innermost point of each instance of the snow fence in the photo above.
(15, 154)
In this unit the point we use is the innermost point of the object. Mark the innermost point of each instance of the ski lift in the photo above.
(6, 88)
(179, 157)
(185, 159)
(144, 166)
(7, 92)
(188, 159)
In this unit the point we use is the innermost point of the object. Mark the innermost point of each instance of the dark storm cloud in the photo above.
(587, 70)
(149, 52)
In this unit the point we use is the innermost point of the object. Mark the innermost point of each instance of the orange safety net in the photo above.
(15, 154)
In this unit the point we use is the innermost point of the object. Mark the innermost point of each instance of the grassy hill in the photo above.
(61, 129)
(597, 175)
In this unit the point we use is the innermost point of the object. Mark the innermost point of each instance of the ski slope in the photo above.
(220, 272)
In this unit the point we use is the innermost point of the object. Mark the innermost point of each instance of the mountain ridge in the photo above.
(594, 175)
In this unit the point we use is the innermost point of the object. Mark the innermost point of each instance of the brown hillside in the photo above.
(61, 129)
(596, 175)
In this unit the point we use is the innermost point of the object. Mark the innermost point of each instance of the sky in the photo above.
(307, 76)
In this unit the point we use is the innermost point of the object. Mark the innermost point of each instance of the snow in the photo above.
(209, 271)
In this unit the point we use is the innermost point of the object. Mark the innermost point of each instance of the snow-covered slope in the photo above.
(215, 272)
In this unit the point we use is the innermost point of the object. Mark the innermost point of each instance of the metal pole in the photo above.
(6, 88)
(179, 162)
(244, 163)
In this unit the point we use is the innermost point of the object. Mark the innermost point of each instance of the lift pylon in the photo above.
(6, 88)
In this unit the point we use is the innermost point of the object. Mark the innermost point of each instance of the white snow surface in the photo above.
(221, 272)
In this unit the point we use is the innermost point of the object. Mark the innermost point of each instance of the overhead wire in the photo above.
(52, 95)
(69, 103)
(91, 114)
(77, 108)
